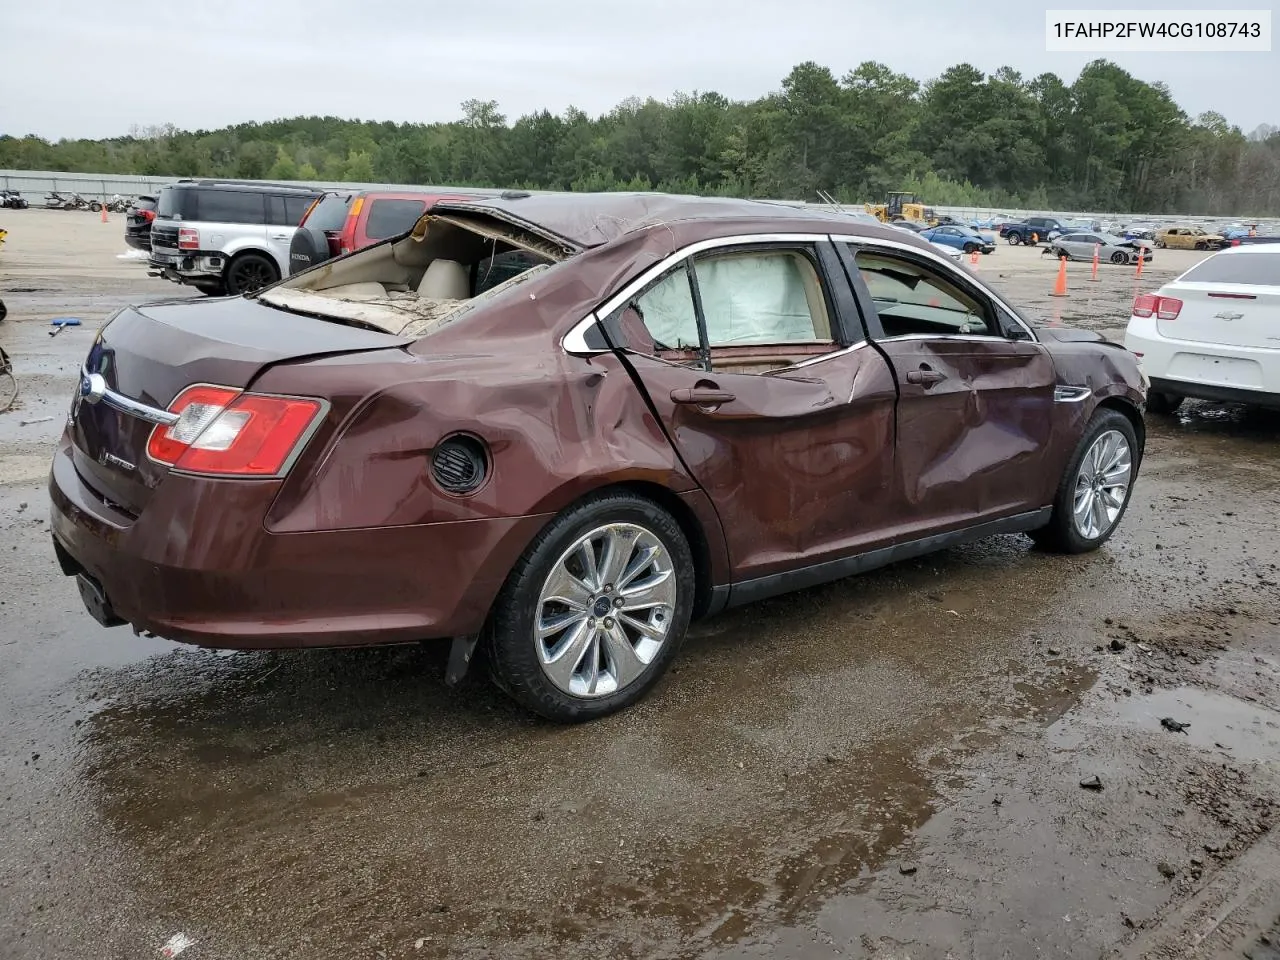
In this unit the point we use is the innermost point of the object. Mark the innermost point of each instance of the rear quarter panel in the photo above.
(556, 428)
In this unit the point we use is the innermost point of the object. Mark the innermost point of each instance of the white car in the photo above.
(1214, 332)
(955, 253)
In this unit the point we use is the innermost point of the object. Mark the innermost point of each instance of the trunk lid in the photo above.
(1228, 314)
(150, 354)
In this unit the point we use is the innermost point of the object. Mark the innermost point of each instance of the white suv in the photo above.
(226, 236)
(1214, 332)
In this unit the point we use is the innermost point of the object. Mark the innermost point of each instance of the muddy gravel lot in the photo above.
(959, 757)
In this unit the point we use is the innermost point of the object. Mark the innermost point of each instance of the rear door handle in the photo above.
(280, 236)
(701, 396)
(926, 377)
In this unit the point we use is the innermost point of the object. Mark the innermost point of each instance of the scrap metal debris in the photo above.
(1092, 783)
(176, 944)
(1174, 726)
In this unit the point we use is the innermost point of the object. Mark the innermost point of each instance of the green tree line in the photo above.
(1108, 141)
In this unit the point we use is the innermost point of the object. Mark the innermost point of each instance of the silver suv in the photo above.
(226, 236)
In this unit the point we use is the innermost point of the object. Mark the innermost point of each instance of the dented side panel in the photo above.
(799, 464)
(969, 443)
(555, 429)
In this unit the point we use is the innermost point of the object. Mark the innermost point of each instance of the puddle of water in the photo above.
(1246, 731)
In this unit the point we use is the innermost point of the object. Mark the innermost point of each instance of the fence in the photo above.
(34, 184)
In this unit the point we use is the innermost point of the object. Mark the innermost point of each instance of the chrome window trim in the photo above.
(823, 357)
(962, 337)
(575, 340)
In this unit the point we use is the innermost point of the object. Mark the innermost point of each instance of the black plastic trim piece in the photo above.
(748, 591)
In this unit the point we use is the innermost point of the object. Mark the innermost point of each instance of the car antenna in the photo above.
(829, 200)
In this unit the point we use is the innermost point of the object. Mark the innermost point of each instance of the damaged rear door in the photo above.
(760, 372)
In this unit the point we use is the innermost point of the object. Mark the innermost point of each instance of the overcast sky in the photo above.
(89, 68)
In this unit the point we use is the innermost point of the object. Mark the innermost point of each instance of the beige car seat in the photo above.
(445, 280)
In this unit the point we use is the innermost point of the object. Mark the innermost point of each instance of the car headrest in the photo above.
(445, 280)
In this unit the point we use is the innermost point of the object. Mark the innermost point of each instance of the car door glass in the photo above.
(762, 297)
(295, 208)
(912, 299)
(231, 206)
(276, 211)
(764, 310)
(390, 217)
(667, 313)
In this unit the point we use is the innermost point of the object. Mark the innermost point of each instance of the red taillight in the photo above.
(148, 215)
(223, 432)
(188, 238)
(1164, 308)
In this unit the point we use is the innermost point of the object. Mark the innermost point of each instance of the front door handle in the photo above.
(701, 396)
(280, 236)
(925, 376)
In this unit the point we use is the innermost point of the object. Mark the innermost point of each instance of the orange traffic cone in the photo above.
(1060, 285)
(1141, 258)
(104, 213)
(973, 258)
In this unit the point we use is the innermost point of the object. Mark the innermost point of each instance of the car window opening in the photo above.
(739, 311)
(444, 268)
(912, 300)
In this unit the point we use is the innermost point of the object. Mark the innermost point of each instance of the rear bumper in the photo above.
(198, 566)
(1206, 391)
(187, 266)
(1205, 371)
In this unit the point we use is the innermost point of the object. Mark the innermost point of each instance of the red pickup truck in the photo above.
(340, 221)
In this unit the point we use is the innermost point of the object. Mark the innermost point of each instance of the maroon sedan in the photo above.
(563, 426)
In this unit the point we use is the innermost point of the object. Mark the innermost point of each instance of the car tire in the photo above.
(1066, 532)
(1160, 244)
(248, 272)
(1014, 239)
(1163, 404)
(95, 206)
(970, 247)
(521, 661)
(1119, 257)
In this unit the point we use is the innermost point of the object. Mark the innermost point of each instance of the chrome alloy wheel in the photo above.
(604, 611)
(1102, 485)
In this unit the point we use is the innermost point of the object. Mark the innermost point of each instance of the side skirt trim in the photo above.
(748, 591)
